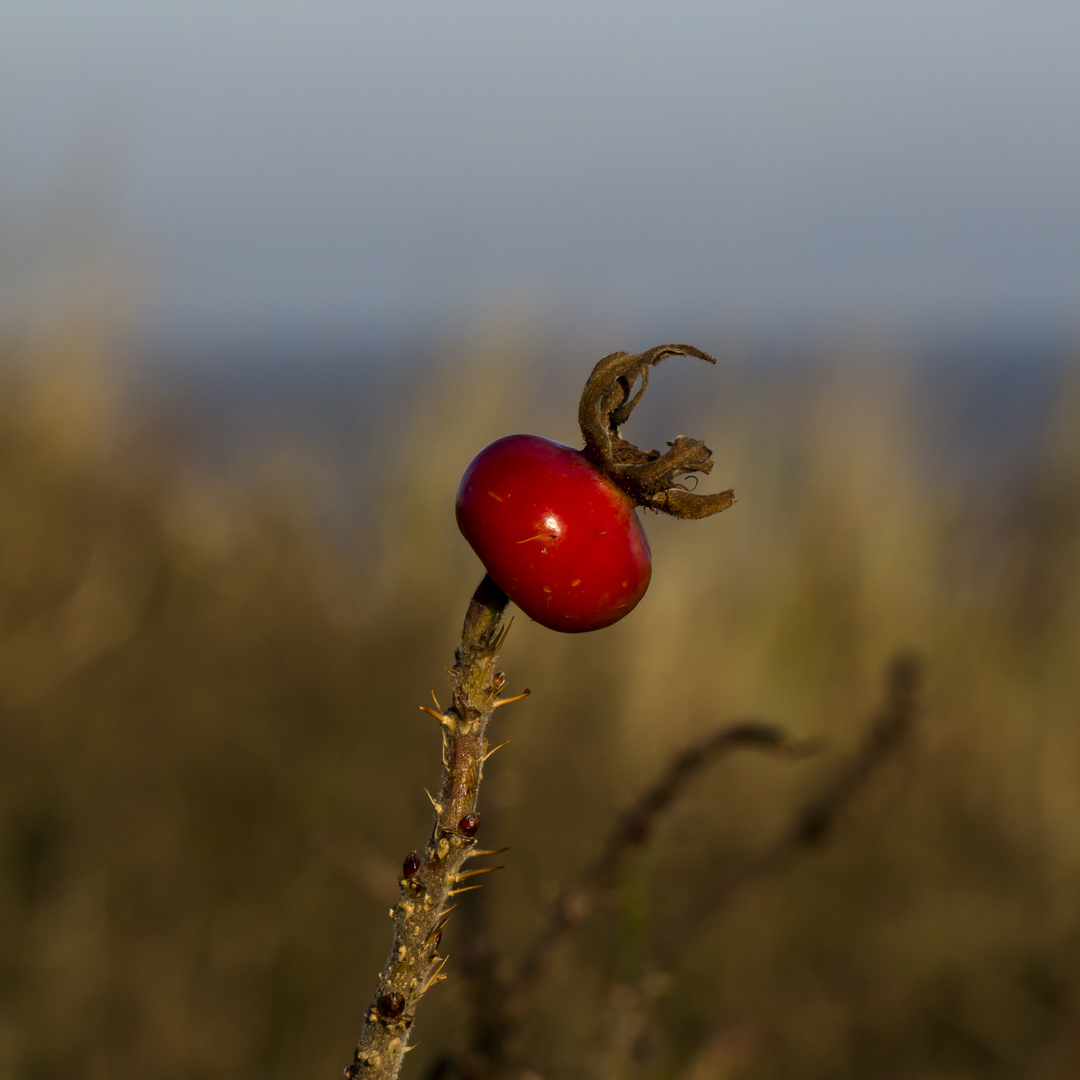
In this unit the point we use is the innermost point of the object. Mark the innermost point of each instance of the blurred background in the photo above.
(270, 275)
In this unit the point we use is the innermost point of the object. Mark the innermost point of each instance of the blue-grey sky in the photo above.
(327, 163)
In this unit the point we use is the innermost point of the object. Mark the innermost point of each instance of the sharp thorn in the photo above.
(436, 976)
(440, 925)
(493, 749)
(438, 807)
(472, 873)
(467, 888)
(431, 712)
(500, 702)
(486, 851)
(497, 643)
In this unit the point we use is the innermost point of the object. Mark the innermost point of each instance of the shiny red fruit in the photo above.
(555, 534)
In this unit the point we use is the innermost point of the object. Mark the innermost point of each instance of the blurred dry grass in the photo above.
(212, 762)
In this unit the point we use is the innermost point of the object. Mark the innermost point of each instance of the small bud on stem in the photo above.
(430, 879)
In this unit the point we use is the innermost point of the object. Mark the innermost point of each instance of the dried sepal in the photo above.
(650, 478)
(689, 505)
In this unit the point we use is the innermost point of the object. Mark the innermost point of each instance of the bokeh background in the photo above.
(271, 273)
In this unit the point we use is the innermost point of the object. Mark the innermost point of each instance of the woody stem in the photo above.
(414, 964)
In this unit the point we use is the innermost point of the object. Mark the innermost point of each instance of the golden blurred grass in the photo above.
(212, 762)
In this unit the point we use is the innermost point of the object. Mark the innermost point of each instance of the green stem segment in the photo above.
(414, 964)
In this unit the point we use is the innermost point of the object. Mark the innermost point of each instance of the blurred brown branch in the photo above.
(814, 821)
(500, 1003)
(574, 904)
(811, 825)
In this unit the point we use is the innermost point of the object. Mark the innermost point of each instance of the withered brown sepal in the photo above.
(648, 477)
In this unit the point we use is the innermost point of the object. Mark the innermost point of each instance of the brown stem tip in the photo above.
(648, 477)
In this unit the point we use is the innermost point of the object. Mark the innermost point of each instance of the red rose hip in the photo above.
(555, 534)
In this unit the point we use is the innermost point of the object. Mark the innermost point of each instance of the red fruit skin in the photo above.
(555, 534)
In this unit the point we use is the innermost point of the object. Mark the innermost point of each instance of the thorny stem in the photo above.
(431, 880)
